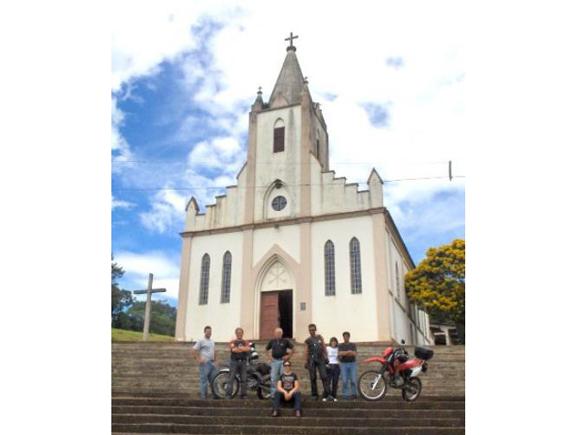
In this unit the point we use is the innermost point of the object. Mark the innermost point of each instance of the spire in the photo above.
(258, 103)
(290, 81)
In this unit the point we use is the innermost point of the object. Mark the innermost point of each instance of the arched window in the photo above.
(204, 280)
(226, 277)
(355, 272)
(397, 281)
(329, 276)
(278, 136)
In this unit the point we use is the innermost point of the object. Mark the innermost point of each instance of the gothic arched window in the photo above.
(226, 277)
(278, 136)
(204, 280)
(355, 270)
(329, 276)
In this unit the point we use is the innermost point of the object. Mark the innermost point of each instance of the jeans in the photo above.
(349, 376)
(276, 368)
(333, 375)
(321, 366)
(238, 366)
(206, 371)
(296, 398)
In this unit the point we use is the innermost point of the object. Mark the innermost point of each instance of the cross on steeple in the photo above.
(291, 38)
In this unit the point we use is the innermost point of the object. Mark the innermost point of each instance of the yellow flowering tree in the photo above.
(437, 284)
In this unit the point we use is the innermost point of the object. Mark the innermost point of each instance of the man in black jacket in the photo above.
(240, 350)
(316, 359)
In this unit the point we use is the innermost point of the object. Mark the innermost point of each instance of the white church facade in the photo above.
(292, 244)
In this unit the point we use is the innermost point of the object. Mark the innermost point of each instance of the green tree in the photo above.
(162, 319)
(120, 299)
(437, 284)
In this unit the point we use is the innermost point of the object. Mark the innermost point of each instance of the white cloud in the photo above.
(119, 203)
(167, 212)
(137, 267)
(122, 154)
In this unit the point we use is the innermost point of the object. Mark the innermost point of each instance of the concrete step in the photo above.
(182, 414)
(308, 420)
(285, 427)
(329, 411)
(389, 403)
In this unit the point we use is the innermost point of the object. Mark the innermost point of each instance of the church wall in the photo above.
(334, 195)
(227, 211)
(282, 165)
(402, 318)
(223, 318)
(286, 236)
(344, 311)
(402, 325)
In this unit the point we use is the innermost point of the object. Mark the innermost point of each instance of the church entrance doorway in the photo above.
(276, 310)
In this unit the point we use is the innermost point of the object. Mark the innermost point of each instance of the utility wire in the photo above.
(268, 185)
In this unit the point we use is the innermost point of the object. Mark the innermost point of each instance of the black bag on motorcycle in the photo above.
(423, 353)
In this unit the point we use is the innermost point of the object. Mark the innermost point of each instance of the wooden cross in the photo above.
(291, 38)
(150, 290)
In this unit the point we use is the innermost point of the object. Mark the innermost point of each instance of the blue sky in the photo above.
(186, 73)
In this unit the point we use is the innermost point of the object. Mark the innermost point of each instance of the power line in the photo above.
(180, 162)
(268, 185)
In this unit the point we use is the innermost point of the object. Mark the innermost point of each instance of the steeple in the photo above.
(290, 81)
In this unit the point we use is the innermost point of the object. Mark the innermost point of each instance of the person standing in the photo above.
(204, 354)
(333, 368)
(288, 389)
(280, 351)
(348, 367)
(240, 349)
(316, 359)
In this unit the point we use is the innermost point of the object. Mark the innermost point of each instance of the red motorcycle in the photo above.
(397, 370)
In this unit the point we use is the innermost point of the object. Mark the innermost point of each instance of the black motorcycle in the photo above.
(258, 378)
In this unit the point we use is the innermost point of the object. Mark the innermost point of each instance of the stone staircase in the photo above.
(155, 390)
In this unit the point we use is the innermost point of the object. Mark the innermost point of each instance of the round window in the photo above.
(279, 203)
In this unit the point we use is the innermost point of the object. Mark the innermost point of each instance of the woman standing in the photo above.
(333, 368)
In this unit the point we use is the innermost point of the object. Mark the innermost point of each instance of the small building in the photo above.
(291, 243)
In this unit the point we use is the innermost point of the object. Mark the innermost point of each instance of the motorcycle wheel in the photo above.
(263, 392)
(372, 385)
(220, 383)
(412, 389)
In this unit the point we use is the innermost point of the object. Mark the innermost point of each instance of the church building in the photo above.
(291, 243)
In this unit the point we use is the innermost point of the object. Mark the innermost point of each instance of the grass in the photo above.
(124, 335)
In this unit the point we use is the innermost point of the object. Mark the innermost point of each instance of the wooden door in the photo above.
(269, 315)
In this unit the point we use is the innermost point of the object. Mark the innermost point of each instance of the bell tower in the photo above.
(287, 141)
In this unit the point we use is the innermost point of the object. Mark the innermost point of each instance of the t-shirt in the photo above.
(344, 347)
(315, 347)
(332, 354)
(288, 380)
(206, 348)
(239, 343)
(279, 347)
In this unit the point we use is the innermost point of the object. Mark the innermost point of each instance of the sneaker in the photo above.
(275, 413)
(298, 413)
(324, 399)
(334, 399)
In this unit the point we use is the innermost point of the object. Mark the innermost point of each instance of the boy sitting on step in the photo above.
(287, 389)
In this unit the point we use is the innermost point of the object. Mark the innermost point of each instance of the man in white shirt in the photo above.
(204, 353)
